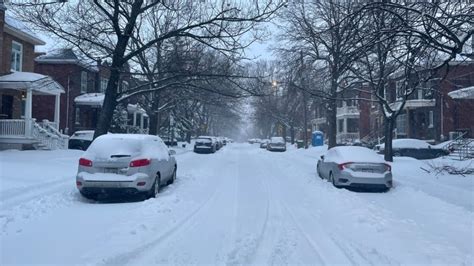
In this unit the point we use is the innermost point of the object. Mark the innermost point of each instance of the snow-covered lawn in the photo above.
(241, 205)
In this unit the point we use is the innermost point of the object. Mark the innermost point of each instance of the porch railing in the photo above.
(12, 127)
(43, 134)
(347, 137)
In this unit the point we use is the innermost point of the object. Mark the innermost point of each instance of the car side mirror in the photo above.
(322, 157)
(172, 152)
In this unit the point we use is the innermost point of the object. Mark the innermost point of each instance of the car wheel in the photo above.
(173, 177)
(155, 189)
(318, 172)
(333, 181)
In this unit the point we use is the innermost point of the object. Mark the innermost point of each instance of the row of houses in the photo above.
(440, 109)
(47, 97)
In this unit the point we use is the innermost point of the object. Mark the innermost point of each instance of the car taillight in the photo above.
(388, 168)
(140, 163)
(85, 162)
(342, 166)
(78, 183)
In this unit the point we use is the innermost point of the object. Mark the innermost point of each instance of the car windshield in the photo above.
(107, 147)
(236, 132)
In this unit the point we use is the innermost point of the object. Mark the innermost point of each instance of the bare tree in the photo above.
(408, 42)
(105, 29)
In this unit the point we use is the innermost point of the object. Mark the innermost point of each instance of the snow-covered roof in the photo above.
(96, 99)
(90, 99)
(67, 56)
(465, 93)
(20, 30)
(131, 108)
(26, 80)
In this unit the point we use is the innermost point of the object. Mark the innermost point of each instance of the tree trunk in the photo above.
(153, 130)
(292, 134)
(108, 107)
(388, 132)
(332, 123)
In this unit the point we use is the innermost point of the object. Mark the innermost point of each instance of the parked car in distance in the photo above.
(264, 143)
(125, 164)
(276, 144)
(206, 144)
(170, 142)
(415, 148)
(352, 166)
(81, 140)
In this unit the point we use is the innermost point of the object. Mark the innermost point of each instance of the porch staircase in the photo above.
(23, 134)
(48, 137)
(461, 148)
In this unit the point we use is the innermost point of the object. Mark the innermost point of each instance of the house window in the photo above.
(103, 84)
(431, 118)
(340, 125)
(17, 56)
(352, 125)
(83, 82)
(77, 118)
(420, 94)
(402, 124)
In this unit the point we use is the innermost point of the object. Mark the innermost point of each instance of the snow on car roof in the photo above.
(408, 143)
(277, 139)
(133, 144)
(344, 154)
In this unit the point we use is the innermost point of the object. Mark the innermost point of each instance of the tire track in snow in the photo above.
(245, 251)
(126, 257)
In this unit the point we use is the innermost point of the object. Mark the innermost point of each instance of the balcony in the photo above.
(347, 137)
(348, 112)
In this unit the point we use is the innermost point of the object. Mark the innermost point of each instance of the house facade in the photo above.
(85, 83)
(19, 129)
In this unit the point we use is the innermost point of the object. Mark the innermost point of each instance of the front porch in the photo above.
(20, 131)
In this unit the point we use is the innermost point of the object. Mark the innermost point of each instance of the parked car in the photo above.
(352, 166)
(276, 144)
(205, 144)
(170, 142)
(125, 164)
(415, 148)
(81, 140)
(220, 142)
(264, 143)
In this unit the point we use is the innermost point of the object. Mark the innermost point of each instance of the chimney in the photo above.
(3, 8)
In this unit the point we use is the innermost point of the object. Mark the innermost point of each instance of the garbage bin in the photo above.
(300, 144)
(317, 138)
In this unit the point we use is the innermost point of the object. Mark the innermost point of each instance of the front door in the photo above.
(7, 107)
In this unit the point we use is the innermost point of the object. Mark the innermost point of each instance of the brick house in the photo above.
(19, 85)
(85, 83)
(353, 115)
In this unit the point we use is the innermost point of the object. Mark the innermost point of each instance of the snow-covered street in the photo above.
(241, 205)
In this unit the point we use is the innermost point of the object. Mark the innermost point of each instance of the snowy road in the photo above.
(242, 205)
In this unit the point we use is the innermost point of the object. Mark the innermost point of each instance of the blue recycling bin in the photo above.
(317, 138)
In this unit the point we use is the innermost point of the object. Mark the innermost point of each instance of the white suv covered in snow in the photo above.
(125, 163)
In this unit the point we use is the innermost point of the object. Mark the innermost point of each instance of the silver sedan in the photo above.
(351, 166)
(125, 164)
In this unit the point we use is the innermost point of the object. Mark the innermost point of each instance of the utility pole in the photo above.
(305, 113)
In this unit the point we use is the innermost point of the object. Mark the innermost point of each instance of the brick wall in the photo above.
(28, 54)
(68, 75)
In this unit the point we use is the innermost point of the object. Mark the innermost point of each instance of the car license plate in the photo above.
(111, 170)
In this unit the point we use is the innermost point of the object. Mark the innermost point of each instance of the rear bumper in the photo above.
(93, 183)
(110, 191)
(348, 180)
(203, 149)
(276, 148)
